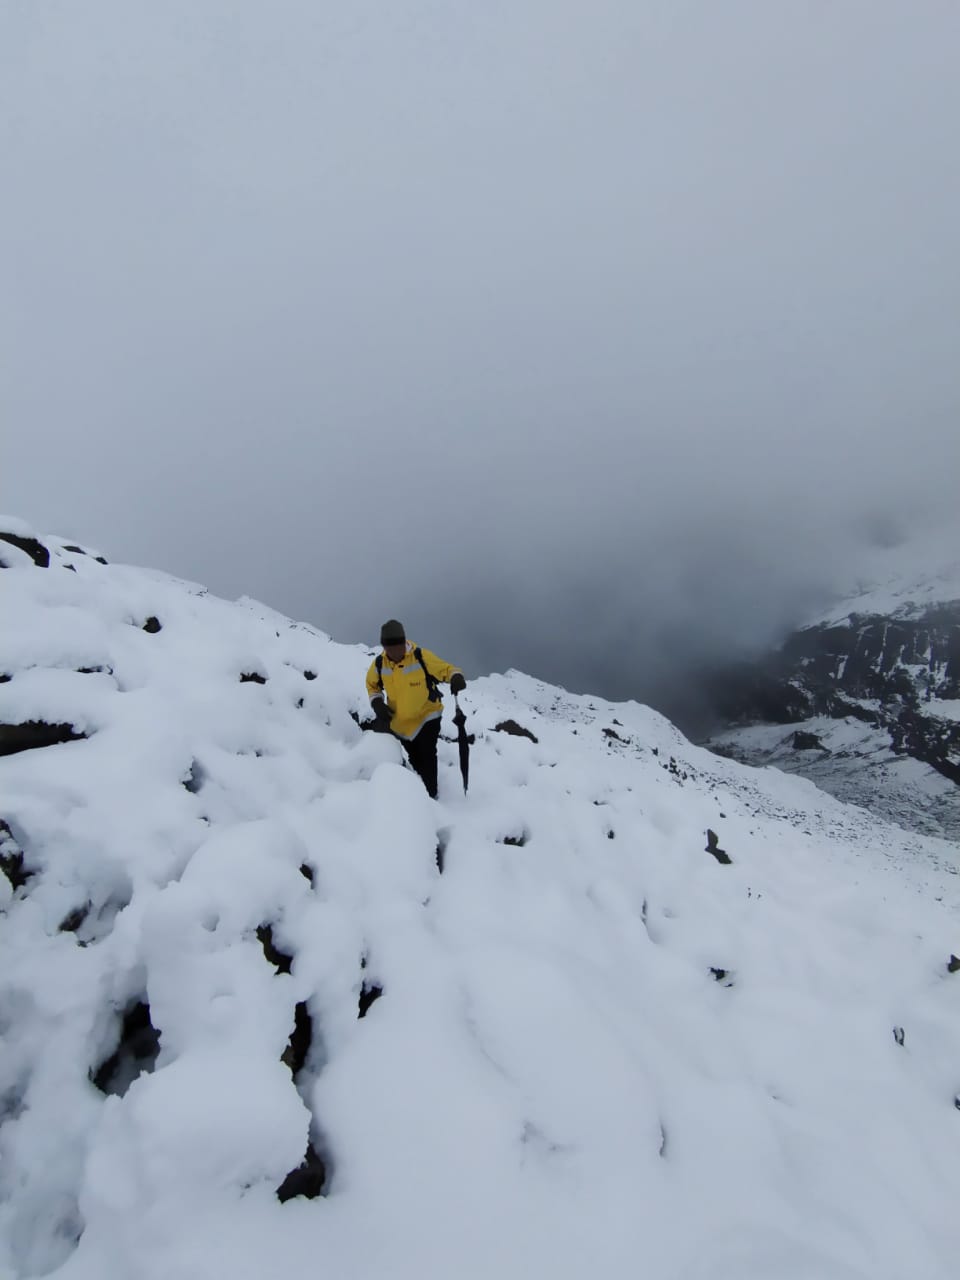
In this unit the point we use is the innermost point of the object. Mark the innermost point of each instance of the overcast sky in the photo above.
(591, 337)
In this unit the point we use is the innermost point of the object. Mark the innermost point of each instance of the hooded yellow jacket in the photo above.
(405, 689)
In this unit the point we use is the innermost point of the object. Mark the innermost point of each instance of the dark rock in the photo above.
(307, 872)
(37, 552)
(369, 994)
(90, 923)
(309, 675)
(930, 741)
(899, 1035)
(152, 625)
(307, 1180)
(953, 965)
(721, 975)
(518, 731)
(72, 922)
(807, 742)
(517, 841)
(714, 848)
(301, 1038)
(71, 567)
(137, 1052)
(12, 859)
(196, 778)
(5, 678)
(252, 677)
(612, 733)
(100, 560)
(35, 733)
(278, 958)
(72, 547)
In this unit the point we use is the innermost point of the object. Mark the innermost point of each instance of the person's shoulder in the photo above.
(436, 660)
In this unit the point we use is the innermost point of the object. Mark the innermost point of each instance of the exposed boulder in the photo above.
(35, 549)
(369, 994)
(301, 1038)
(713, 847)
(12, 859)
(282, 962)
(517, 730)
(136, 1052)
(35, 733)
(75, 919)
(307, 1180)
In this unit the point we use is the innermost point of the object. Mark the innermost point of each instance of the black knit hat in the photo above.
(392, 632)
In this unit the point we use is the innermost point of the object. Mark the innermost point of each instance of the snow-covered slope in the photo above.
(660, 1014)
(864, 699)
(904, 581)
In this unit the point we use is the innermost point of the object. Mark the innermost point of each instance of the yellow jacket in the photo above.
(405, 689)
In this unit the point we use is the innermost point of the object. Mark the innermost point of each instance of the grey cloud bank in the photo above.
(588, 338)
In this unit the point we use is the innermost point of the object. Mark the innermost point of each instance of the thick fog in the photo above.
(591, 337)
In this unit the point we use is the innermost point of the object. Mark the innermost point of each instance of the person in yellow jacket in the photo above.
(402, 686)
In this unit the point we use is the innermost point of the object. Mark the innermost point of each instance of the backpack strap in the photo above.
(380, 671)
(433, 694)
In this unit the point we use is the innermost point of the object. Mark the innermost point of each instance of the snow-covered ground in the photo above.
(599, 1049)
(856, 764)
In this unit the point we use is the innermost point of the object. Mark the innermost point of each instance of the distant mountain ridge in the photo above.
(865, 700)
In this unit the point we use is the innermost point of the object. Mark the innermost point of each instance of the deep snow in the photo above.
(598, 1049)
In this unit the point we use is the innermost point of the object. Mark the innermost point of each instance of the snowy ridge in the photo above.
(904, 582)
(589, 1046)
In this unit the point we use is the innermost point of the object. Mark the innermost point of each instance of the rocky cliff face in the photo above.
(865, 703)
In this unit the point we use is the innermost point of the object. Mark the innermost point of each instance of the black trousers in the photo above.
(422, 754)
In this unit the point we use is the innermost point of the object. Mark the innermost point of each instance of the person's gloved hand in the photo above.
(457, 683)
(381, 716)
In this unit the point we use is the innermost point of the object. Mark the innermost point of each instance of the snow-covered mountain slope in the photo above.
(865, 700)
(660, 1014)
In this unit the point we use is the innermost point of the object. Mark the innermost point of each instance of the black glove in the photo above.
(381, 716)
(457, 683)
